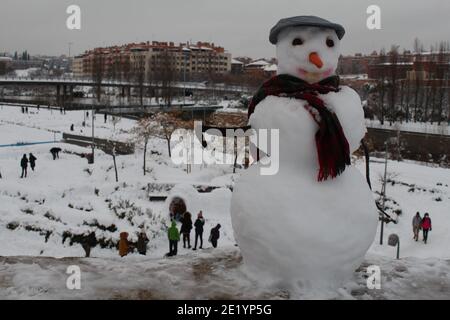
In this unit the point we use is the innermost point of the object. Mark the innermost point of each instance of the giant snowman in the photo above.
(306, 227)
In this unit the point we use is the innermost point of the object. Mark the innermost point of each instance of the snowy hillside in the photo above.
(41, 215)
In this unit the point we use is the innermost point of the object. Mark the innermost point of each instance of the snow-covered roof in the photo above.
(260, 63)
(234, 61)
(5, 59)
(271, 67)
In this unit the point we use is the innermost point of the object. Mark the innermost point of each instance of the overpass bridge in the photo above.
(74, 82)
(65, 96)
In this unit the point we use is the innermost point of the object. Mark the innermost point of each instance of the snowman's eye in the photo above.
(330, 43)
(297, 42)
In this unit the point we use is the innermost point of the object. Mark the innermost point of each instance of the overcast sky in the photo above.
(241, 26)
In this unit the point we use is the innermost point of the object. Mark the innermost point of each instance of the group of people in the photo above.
(24, 164)
(126, 246)
(31, 160)
(185, 231)
(424, 224)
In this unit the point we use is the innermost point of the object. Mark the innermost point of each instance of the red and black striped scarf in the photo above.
(332, 146)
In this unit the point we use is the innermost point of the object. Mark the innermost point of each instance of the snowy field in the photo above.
(53, 120)
(69, 197)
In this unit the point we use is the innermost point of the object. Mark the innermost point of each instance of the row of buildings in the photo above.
(407, 65)
(42, 65)
(150, 58)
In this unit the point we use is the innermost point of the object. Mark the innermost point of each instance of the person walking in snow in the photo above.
(186, 227)
(215, 235)
(426, 226)
(123, 244)
(32, 161)
(199, 223)
(142, 242)
(416, 221)
(24, 166)
(174, 237)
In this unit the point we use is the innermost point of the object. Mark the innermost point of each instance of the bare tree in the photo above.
(160, 125)
(418, 49)
(393, 78)
(114, 120)
(143, 131)
(168, 123)
(98, 72)
(125, 67)
(3, 68)
(442, 75)
(140, 80)
(166, 75)
(381, 85)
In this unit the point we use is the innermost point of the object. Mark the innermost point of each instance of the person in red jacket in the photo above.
(426, 226)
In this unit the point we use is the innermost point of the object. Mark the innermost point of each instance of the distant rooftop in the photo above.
(258, 63)
(271, 68)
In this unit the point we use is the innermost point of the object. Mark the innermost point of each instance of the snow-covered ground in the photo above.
(54, 121)
(70, 197)
(429, 128)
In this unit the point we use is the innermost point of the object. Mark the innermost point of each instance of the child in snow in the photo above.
(89, 242)
(186, 227)
(416, 225)
(142, 242)
(215, 235)
(123, 244)
(24, 166)
(174, 237)
(199, 223)
(32, 161)
(426, 226)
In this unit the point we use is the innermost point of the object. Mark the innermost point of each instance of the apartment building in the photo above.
(149, 59)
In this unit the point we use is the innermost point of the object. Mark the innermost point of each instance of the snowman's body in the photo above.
(292, 229)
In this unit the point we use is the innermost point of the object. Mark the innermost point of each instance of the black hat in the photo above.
(304, 21)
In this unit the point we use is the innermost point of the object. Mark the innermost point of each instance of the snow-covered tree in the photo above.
(160, 125)
(142, 132)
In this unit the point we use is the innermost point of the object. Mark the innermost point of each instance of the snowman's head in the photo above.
(308, 53)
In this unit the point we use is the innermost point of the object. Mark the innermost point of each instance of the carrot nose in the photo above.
(315, 59)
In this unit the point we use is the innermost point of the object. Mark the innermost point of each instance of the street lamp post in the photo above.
(70, 47)
(93, 137)
(383, 192)
(185, 54)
